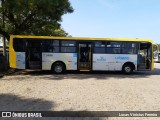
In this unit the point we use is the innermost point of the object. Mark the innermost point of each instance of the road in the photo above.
(80, 91)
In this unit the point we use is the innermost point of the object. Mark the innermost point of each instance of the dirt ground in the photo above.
(81, 91)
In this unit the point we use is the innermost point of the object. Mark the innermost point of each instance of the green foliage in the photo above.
(156, 48)
(34, 17)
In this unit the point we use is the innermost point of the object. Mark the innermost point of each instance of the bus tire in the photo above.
(127, 69)
(58, 67)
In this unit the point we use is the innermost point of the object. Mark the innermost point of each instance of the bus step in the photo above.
(143, 70)
(35, 67)
(85, 70)
(142, 67)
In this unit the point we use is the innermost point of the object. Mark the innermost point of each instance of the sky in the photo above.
(114, 19)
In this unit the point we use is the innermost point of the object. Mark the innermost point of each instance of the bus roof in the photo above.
(82, 38)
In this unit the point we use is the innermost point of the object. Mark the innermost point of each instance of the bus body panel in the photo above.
(12, 58)
(20, 60)
(12, 54)
(70, 60)
(112, 62)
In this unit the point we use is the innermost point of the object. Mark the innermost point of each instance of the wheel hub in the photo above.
(58, 69)
(127, 69)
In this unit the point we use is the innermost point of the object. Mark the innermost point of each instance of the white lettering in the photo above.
(151, 115)
(123, 115)
(34, 115)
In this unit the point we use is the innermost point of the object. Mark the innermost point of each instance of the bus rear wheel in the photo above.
(58, 68)
(127, 69)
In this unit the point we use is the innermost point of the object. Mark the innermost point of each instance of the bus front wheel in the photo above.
(58, 68)
(127, 69)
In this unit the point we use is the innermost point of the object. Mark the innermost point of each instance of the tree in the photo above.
(34, 17)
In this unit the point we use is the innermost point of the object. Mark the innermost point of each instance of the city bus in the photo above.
(82, 54)
(156, 53)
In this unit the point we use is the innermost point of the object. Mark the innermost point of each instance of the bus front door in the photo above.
(84, 57)
(33, 54)
(145, 56)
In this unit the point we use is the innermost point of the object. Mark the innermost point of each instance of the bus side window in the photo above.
(19, 45)
(51, 46)
(68, 46)
(99, 47)
(113, 47)
(129, 48)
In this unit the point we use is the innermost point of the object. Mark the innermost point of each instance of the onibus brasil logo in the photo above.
(21, 114)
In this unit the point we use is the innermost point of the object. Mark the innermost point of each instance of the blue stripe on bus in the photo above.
(75, 55)
(135, 61)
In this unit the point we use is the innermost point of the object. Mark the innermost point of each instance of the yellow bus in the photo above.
(83, 54)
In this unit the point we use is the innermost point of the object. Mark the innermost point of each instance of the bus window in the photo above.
(113, 47)
(51, 46)
(99, 47)
(19, 45)
(129, 48)
(99, 44)
(68, 43)
(113, 44)
(68, 49)
(99, 50)
(68, 46)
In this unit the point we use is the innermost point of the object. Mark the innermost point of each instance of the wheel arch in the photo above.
(58, 62)
(129, 63)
